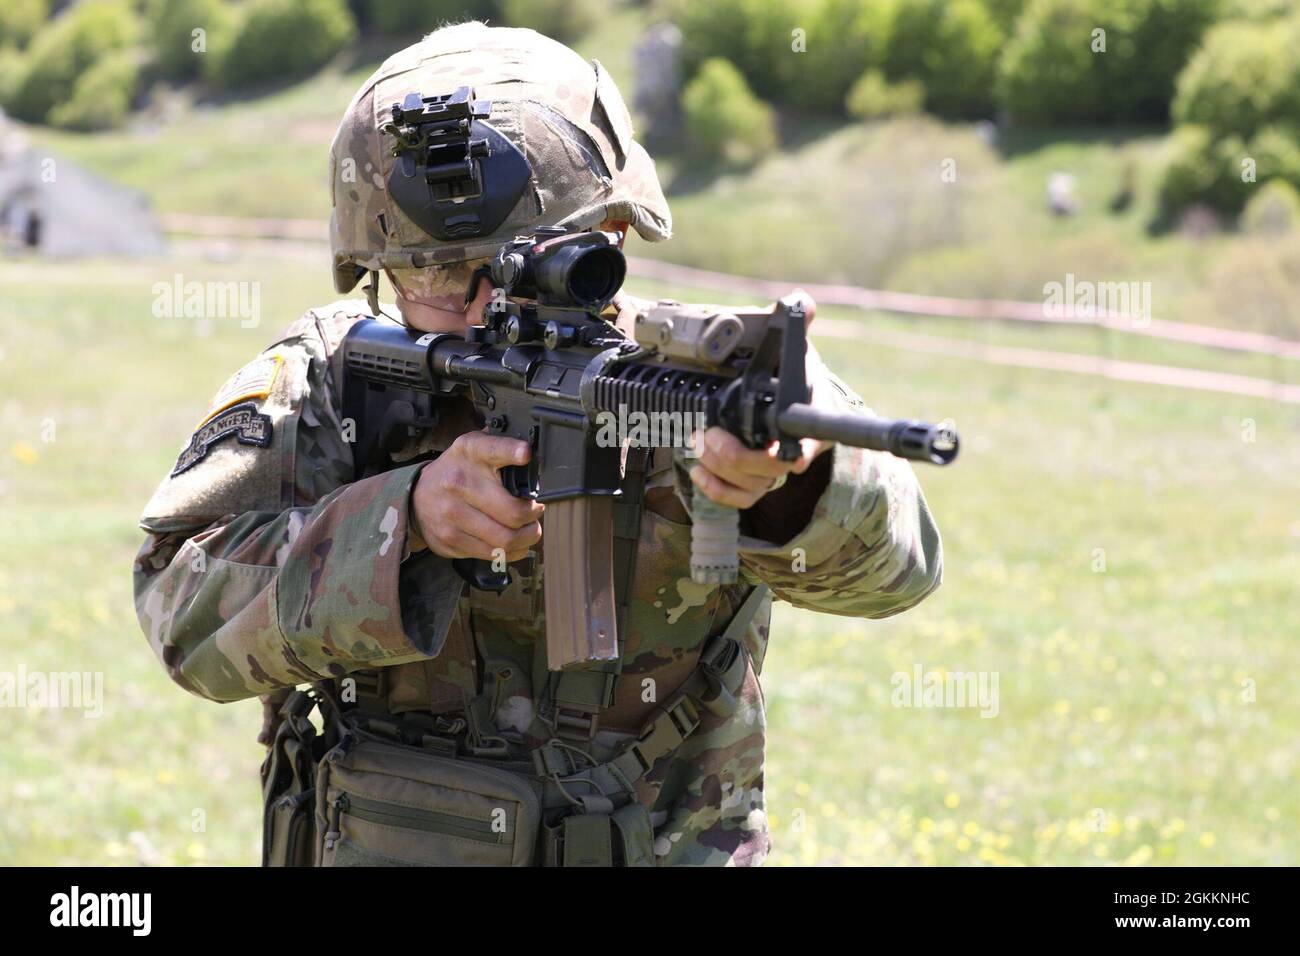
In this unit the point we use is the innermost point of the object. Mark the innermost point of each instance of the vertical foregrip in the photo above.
(578, 571)
(715, 537)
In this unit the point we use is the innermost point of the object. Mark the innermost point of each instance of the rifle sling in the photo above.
(711, 688)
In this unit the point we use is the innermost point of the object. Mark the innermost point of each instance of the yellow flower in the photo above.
(24, 453)
(1140, 856)
(951, 801)
(1207, 840)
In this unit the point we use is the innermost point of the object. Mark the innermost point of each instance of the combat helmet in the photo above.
(476, 135)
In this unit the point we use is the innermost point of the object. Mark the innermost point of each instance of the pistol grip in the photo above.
(480, 575)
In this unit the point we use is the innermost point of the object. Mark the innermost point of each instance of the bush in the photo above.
(1244, 76)
(1276, 151)
(952, 47)
(418, 17)
(1273, 211)
(724, 120)
(563, 20)
(841, 39)
(20, 19)
(102, 97)
(1005, 13)
(174, 23)
(1049, 73)
(1256, 9)
(1203, 170)
(63, 52)
(279, 39)
(872, 97)
(12, 68)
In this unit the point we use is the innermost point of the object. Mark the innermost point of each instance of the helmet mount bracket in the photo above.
(456, 176)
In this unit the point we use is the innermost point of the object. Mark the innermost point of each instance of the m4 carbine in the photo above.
(548, 369)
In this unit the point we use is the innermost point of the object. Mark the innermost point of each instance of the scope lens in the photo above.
(596, 275)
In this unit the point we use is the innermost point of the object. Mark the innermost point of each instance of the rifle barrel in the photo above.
(918, 441)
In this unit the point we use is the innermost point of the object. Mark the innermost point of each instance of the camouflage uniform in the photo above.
(266, 566)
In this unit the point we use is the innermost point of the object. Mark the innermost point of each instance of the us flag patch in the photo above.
(253, 381)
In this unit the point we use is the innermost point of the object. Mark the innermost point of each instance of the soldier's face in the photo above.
(432, 299)
(431, 305)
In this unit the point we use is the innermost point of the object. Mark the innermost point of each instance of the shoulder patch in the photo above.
(241, 456)
(244, 421)
(254, 381)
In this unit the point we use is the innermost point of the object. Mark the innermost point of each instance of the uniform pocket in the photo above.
(384, 804)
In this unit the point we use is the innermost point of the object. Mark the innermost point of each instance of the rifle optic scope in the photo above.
(583, 270)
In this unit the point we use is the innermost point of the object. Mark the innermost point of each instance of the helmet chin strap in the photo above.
(371, 289)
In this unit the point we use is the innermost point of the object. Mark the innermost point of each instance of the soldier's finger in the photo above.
(495, 451)
(491, 498)
(809, 449)
(731, 456)
(806, 303)
(720, 491)
(492, 532)
(758, 483)
(458, 543)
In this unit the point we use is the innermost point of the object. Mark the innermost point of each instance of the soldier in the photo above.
(269, 564)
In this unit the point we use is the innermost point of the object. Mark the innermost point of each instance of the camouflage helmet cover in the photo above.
(563, 112)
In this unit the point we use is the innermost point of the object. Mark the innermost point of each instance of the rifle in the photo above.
(548, 369)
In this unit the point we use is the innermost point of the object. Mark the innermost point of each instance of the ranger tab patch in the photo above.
(244, 421)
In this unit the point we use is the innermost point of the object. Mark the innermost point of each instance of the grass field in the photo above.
(1123, 557)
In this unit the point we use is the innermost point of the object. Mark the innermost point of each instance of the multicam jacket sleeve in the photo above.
(249, 582)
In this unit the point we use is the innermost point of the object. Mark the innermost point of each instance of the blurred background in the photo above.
(967, 186)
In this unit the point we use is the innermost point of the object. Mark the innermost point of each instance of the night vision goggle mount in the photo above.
(456, 176)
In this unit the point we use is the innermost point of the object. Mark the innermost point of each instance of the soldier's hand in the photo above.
(731, 473)
(461, 509)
